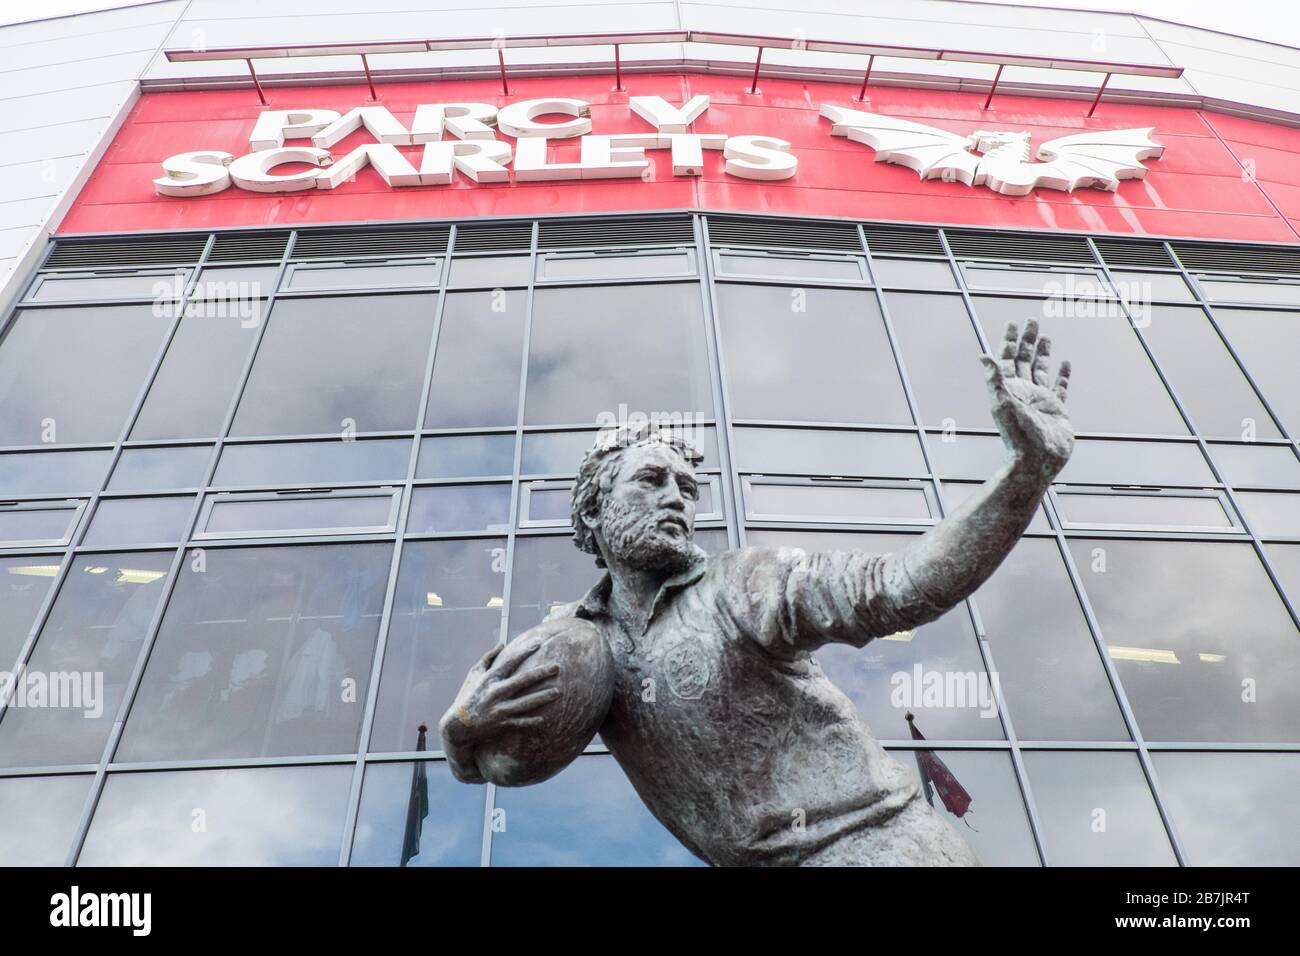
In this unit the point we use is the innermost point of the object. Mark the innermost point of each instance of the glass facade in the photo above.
(251, 543)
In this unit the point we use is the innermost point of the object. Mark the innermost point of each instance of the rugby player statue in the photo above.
(698, 671)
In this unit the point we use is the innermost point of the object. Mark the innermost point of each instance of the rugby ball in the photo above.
(524, 756)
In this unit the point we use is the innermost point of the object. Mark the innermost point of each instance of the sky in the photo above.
(1274, 20)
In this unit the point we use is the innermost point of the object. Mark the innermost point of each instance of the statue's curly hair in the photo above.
(600, 465)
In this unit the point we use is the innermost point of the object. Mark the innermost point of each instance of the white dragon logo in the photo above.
(1099, 158)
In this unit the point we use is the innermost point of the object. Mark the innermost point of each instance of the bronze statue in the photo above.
(714, 706)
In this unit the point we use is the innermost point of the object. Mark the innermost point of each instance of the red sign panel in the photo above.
(1218, 177)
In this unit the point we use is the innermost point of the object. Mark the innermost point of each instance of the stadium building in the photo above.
(307, 318)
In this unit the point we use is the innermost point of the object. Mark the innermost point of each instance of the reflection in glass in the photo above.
(459, 508)
(409, 819)
(547, 572)
(818, 451)
(1132, 398)
(1233, 809)
(160, 469)
(560, 453)
(1203, 647)
(313, 462)
(24, 583)
(1115, 462)
(1262, 466)
(76, 370)
(446, 615)
(130, 521)
(1095, 809)
(338, 512)
(53, 472)
(367, 366)
(967, 456)
(1267, 343)
(192, 392)
(256, 816)
(466, 456)
(1052, 677)
(97, 625)
(832, 503)
(812, 355)
(1139, 510)
(600, 349)
(36, 523)
(1285, 559)
(941, 351)
(588, 815)
(38, 818)
(262, 652)
(1200, 368)
(476, 361)
(994, 823)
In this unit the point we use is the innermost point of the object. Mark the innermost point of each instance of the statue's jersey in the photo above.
(725, 723)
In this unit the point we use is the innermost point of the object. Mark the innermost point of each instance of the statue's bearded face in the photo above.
(647, 518)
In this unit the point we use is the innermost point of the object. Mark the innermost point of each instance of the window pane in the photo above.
(24, 583)
(1233, 809)
(340, 513)
(130, 521)
(36, 524)
(314, 462)
(995, 823)
(588, 815)
(367, 366)
(243, 284)
(1209, 383)
(197, 380)
(1265, 466)
(476, 362)
(1115, 387)
(97, 625)
(460, 508)
(1051, 674)
(914, 273)
(466, 456)
(420, 807)
(39, 817)
(1141, 510)
(848, 270)
(808, 355)
(1101, 461)
(546, 573)
(262, 816)
(815, 451)
(1045, 281)
(363, 277)
(1267, 344)
(1203, 646)
(446, 615)
(262, 652)
(1261, 290)
(941, 351)
(838, 503)
(560, 453)
(1095, 809)
(555, 504)
(1140, 288)
(597, 350)
(1275, 515)
(614, 267)
(77, 371)
(968, 456)
(157, 469)
(96, 288)
(53, 472)
(1285, 559)
(490, 272)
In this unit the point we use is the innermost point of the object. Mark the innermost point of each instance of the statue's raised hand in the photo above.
(1028, 410)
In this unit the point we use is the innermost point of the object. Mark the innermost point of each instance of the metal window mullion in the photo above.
(169, 584)
(390, 589)
(91, 502)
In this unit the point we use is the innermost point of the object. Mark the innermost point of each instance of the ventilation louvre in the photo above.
(410, 241)
(498, 237)
(249, 246)
(1133, 253)
(616, 231)
(1005, 245)
(126, 253)
(785, 233)
(1230, 258)
(921, 242)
